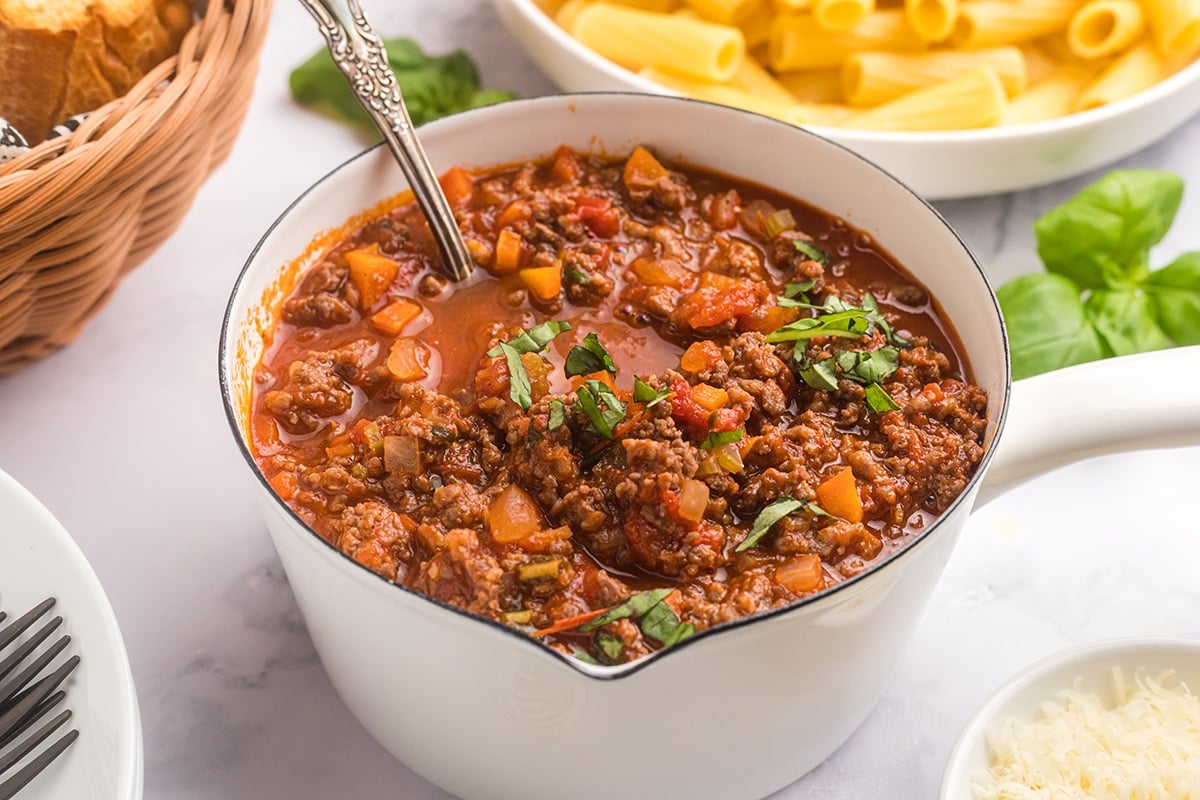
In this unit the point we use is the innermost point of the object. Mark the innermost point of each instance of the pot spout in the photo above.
(1138, 402)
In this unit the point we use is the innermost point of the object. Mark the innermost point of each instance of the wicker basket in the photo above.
(78, 212)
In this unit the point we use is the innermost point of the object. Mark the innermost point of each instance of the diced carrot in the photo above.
(392, 318)
(544, 282)
(372, 273)
(801, 574)
(515, 211)
(458, 185)
(508, 252)
(604, 376)
(663, 272)
(284, 484)
(839, 496)
(700, 356)
(513, 515)
(566, 165)
(769, 319)
(408, 360)
(642, 170)
(570, 623)
(709, 397)
(933, 392)
(717, 280)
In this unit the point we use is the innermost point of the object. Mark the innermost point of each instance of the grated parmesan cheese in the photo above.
(1147, 747)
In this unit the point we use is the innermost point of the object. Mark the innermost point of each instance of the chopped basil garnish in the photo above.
(586, 658)
(819, 374)
(657, 620)
(645, 393)
(519, 389)
(588, 358)
(879, 400)
(718, 438)
(868, 367)
(533, 340)
(602, 408)
(811, 250)
(772, 513)
(872, 307)
(850, 324)
(610, 647)
(577, 277)
(798, 289)
(558, 415)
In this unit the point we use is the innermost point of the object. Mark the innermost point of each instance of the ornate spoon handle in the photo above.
(359, 53)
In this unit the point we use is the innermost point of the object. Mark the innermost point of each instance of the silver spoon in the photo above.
(359, 53)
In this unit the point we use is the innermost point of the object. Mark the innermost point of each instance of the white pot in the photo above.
(734, 712)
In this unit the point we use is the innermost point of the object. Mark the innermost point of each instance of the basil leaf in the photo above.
(591, 397)
(811, 250)
(588, 358)
(878, 400)
(1047, 327)
(849, 324)
(718, 438)
(635, 606)
(819, 374)
(872, 366)
(1101, 238)
(662, 625)
(798, 289)
(645, 393)
(535, 339)
(610, 647)
(557, 417)
(771, 513)
(1125, 320)
(577, 276)
(519, 389)
(1175, 290)
(586, 658)
(870, 305)
(433, 86)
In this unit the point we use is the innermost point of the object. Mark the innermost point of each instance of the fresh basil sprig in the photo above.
(601, 406)
(533, 340)
(557, 417)
(656, 619)
(1098, 297)
(718, 438)
(811, 250)
(773, 512)
(645, 393)
(588, 358)
(433, 86)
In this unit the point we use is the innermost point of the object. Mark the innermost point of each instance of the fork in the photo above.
(27, 697)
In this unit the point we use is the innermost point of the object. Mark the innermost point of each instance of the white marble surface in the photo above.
(123, 437)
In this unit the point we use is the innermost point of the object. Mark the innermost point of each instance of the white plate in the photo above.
(39, 559)
(1020, 697)
(939, 164)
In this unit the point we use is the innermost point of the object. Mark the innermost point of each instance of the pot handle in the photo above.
(1135, 402)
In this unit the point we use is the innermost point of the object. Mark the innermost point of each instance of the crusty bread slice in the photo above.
(59, 58)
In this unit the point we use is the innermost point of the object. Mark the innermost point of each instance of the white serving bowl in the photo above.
(1021, 697)
(938, 165)
(38, 559)
(784, 688)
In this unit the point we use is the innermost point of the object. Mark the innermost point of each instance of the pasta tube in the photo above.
(788, 111)
(1053, 97)
(797, 42)
(786, 6)
(752, 77)
(1176, 25)
(975, 99)
(567, 13)
(840, 15)
(637, 39)
(726, 12)
(1134, 70)
(1104, 27)
(814, 85)
(872, 78)
(659, 6)
(756, 27)
(933, 20)
(987, 23)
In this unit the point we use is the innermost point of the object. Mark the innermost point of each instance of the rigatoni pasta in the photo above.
(907, 65)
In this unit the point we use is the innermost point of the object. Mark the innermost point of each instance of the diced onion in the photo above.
(693, 499)
(801, 574)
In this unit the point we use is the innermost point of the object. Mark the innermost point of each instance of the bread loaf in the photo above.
(63, 57)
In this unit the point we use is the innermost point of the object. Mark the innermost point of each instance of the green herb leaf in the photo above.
(519, 389)
(609, 647)
(635, 606)
(662, 625)
(535, 339)
(645, 393)
(811, 250)
(818, 374)
(1101, 238)
(878, 400)
(603, 409)
(1125, 321)
(1175, 290)
(718, 438)
(845, 324)
(870, 305)
(871, 366)
(1047, 327)
(577, 276)
(798, 289)
(557, 417)
(772, 513)
(433, 86)
(586, 658)
(588, 358)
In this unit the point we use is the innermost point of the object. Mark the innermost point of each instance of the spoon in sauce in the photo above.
(359, 53)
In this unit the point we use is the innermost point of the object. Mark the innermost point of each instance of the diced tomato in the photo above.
(647, 543)
(598, 214)
(726, 419)
(694, 417)
(566, 165)
(709, 306)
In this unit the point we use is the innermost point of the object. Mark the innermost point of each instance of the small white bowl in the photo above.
(938, 165)
(38, 559)
(1021, 697)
